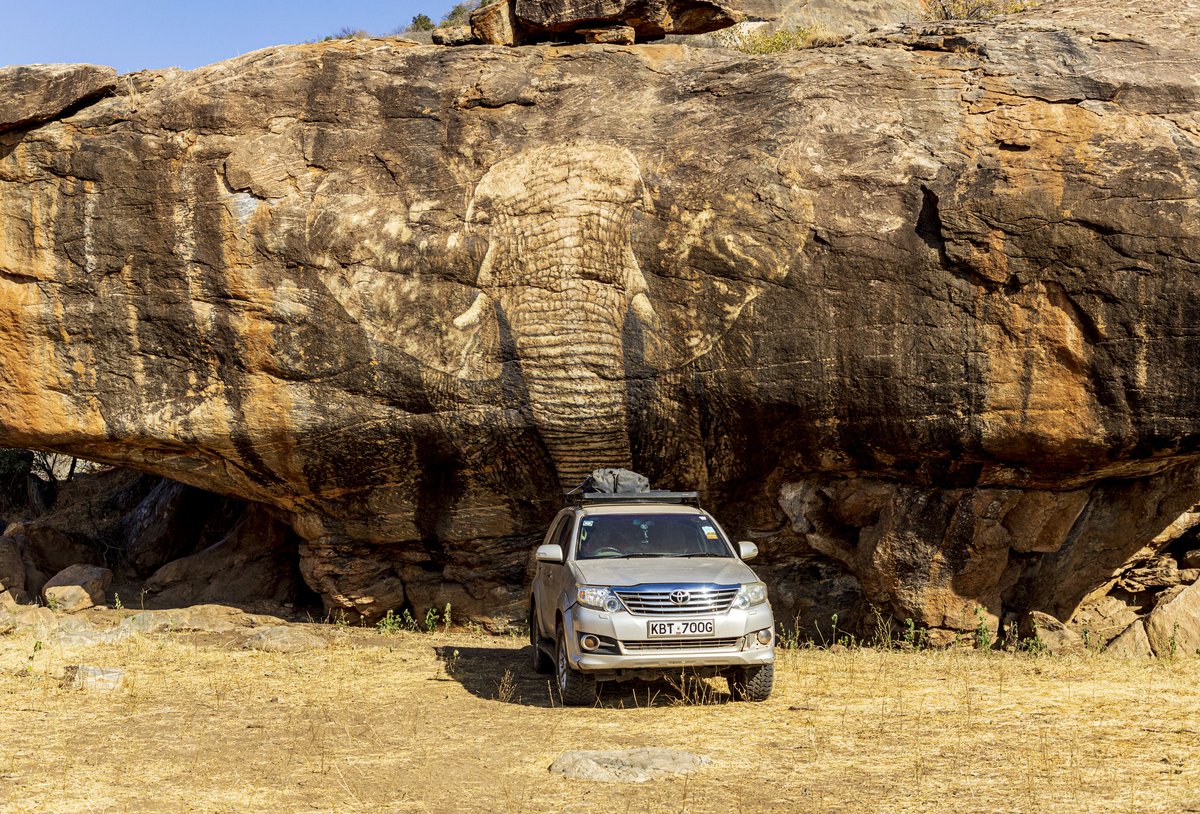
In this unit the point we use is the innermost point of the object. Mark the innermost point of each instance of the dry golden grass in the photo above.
(383, 723)
(783, 40)
(973, 9)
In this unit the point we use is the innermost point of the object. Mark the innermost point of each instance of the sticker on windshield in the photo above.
(710, 532)
(588, 522)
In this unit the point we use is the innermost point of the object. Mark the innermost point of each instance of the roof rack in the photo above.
(576, 498)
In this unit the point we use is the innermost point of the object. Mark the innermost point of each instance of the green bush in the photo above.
(421, 22)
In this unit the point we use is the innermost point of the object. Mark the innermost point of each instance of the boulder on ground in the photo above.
(1057, 637)
(284, 639)
(36, 93)
(77, 587)
(1131, 643)
(453, 35)
(46, 550)
(1191, 559)
(197, 619)
(1173, 627)
(494, 25)
(1101, 620)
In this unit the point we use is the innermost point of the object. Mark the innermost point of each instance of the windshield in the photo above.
(650, 535)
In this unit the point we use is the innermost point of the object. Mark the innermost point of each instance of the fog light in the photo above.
(589, 642)
(764, 636)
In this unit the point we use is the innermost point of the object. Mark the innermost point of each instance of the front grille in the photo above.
(680, 644)
(657, 602)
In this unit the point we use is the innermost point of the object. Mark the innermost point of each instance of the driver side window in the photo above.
(563, 537)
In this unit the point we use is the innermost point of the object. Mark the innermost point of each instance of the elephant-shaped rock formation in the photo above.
(916, 313)
(561, 275)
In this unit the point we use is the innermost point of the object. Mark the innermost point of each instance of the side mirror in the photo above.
(552, 553)
(747, 551)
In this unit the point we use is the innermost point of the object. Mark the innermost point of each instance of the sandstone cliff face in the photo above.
(916, 313)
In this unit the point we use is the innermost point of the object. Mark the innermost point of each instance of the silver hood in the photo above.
(640, 571)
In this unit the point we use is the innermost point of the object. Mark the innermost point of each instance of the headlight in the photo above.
(598, 598)
(749, 595)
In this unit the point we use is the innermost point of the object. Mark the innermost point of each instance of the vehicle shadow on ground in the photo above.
(506, 675)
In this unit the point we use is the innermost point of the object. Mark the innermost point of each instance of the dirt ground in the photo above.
(456, 722)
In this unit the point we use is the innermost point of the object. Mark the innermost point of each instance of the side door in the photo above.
(561, 581)
(547, 576)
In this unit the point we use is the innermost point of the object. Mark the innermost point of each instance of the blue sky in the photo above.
(134, 34)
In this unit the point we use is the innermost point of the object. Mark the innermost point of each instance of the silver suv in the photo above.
(643, 584)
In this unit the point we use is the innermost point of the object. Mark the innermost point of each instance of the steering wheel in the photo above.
(608, 551)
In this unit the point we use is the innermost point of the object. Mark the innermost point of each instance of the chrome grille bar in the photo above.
(657, 600)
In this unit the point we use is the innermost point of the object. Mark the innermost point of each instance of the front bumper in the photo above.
(733, 643)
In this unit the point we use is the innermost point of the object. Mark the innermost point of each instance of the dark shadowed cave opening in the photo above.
(167, 544)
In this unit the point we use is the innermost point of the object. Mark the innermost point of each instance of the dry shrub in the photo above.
(760, 41)
(972, 9)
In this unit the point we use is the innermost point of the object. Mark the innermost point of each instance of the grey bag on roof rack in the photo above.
(616, 482)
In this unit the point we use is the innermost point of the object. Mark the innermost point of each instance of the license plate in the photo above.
(679, 628)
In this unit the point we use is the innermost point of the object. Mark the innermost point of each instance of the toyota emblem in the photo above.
(680, 597)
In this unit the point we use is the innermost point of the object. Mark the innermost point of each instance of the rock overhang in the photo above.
(914, 258)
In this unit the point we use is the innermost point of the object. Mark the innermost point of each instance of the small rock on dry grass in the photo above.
(627, 765)
(284, 639)
(101, 679)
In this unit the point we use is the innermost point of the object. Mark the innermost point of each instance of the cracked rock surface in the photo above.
(31, 94)
(916, 314)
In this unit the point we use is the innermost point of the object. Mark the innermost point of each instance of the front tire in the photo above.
(542, 663)
(751, 683)
(575, 688)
